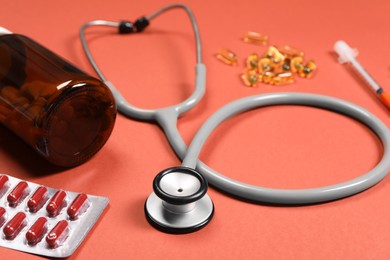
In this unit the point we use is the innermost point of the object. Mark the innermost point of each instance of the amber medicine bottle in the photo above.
(60, 111)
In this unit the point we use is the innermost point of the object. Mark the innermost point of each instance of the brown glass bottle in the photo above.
(63, 113)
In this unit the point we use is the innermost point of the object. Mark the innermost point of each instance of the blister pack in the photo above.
(45, 221)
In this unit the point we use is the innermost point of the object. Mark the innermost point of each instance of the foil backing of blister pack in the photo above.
(78, 227)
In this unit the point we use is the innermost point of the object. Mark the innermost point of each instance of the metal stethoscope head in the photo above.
(179, 203)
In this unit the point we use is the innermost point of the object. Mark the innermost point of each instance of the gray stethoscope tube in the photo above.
(167, 119)
(298, 196)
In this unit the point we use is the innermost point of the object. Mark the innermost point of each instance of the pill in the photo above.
(21, 103)
(252, 61)
(14, 226)
(290, 52)
(35, 234)
(308, 69)
(34, 111)
(13, 97)
(3, 181)
(274, 55)
(39, 89)
(18, 193)
(78, 206)
(296, 64)
(37, 199)
(250, 78)
(256, 38)
(227, 56)
(10, 93)
(266, 77)
(56, 203)
(58, 234)
(264, 65)
(2, 216)
(2, 212)
(283, 78)
(5, 109)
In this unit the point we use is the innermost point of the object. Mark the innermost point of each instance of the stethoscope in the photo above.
(179, 203)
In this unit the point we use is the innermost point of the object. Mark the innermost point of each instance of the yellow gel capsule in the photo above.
(252, 61)
(227, 56)
(274, 55)
(250, 78)
(283, 78)
(266, 77)
(296, 64)
(264, 65)
(256, 38)
(290, 52)
(308, 69)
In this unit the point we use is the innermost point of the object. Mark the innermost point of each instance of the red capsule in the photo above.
(56, 203)
(2, 216)
(2, 212)
(58, 234)
(78, 206)
(37, 199)
(17, 194)
(15, 225)
(35, 234)
(3, 181)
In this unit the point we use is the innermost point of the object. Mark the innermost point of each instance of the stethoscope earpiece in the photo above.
(179, 203)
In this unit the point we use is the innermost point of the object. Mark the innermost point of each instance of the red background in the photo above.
(282, 147)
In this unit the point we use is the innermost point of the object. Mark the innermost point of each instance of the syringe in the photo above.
(347, 54)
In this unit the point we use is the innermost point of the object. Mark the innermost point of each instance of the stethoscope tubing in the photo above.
(285, 196)
(167, 119)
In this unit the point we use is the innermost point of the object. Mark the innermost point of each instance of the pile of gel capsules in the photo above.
(275, 66)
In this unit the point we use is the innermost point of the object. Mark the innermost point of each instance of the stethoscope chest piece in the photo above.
(179, 203)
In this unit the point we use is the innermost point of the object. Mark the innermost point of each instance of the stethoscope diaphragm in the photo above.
(179, 203)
